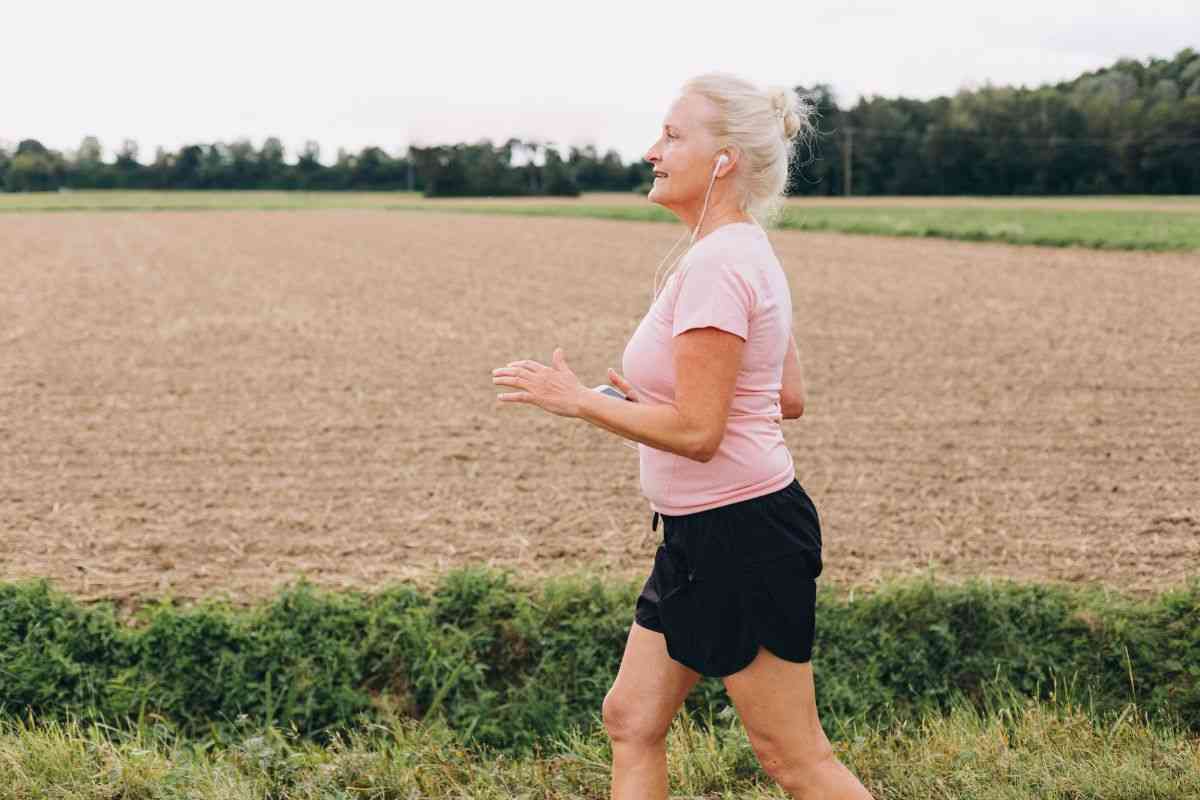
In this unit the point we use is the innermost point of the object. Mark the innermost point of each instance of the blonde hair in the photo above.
(761, 124)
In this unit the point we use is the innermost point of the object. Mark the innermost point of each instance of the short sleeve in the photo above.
(717, 295)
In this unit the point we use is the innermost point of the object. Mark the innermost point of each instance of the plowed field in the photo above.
(200, 403)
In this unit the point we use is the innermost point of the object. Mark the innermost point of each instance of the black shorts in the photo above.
(730, 578)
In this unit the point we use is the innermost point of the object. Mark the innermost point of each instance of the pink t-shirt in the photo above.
(731, 280)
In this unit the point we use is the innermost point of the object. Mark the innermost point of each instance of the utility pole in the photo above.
(848, 160)
(411, 158)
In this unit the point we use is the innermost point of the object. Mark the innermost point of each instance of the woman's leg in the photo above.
(776, 702)
(649, 689)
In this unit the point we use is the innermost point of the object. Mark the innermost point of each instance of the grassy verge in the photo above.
(199, 200)
(507, 667)
(1029, 750)
(1095, 229)
(1099, 229)
(1117, 229)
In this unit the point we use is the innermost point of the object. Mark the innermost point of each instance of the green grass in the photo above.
(119, 200)
(1114, 229)
(1100, 229)
(1027, 751)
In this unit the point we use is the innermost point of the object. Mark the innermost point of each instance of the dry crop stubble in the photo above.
(202, 402)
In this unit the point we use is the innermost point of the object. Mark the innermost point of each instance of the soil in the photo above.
(214, 403)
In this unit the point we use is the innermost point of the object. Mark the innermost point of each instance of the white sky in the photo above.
(353, 73)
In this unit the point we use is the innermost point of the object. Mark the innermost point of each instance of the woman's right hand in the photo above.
(622, 384)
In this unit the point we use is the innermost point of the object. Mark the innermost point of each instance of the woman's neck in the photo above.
(710, 224)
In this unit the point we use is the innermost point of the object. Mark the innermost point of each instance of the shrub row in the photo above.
(506, 666)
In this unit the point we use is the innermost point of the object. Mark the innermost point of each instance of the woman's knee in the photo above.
(790, 766)
(629, 721)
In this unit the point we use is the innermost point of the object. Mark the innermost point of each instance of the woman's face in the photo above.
(685, 152)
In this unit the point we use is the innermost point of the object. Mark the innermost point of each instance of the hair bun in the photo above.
(787, 105)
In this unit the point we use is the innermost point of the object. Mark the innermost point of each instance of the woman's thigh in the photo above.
(776, 702)
(650, 686)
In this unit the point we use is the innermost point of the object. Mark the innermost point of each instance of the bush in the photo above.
(506, 667)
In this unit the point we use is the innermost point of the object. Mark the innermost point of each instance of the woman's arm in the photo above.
(791, 396)
(706, 362)
(659, 426)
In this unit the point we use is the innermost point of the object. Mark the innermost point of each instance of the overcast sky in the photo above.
(351, 74)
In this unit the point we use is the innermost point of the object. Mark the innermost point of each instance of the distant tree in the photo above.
(557, 177)
(127, 171)
(31, 147)
(186, 169)
(309, 168)
(372, 170)
(271, 164)
(158, 172)
(127, 156)
(90, 153)
(215, 167)
(85, 167)
(442, 170)
(34, 168)
(340, 175)
(244, 166)
(1165, 91)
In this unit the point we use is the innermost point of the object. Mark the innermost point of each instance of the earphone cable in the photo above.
(703, 211)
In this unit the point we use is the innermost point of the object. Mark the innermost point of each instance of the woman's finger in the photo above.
(623, 385)
(522, 371)
(517, 383)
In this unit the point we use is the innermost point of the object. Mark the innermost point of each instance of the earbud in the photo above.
(721, 159)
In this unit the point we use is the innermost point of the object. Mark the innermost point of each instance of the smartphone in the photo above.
(611, 391)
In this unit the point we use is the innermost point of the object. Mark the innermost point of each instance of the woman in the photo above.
(712, 369)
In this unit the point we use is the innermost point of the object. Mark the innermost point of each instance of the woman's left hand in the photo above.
(554, 388)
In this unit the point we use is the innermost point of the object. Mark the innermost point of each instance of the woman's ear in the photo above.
(719, 160)
(725, 160)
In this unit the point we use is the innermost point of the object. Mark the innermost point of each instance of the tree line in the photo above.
(1132, 127)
